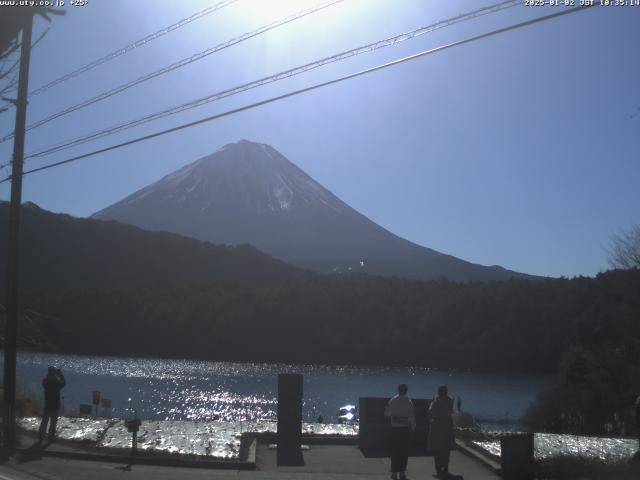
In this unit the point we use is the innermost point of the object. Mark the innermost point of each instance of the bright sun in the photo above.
(265, 11)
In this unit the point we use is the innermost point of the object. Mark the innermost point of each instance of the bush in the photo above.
(590, 393)
(570, 467)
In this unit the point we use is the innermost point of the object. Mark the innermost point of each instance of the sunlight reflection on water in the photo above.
(548, 445)
(165, 389)
(208, 438)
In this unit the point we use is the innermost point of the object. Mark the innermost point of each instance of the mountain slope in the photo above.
(62, 252)
(250, 193)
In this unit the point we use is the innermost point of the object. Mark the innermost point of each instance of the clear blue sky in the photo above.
(520, 150)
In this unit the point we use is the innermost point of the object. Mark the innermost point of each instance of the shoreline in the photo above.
(431, 369)
(210, 439)
(227, 441)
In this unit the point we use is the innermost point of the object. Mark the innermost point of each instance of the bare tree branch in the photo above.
(13, 82)
(11, 85)
(11, 47)
(9, 70)
(625, 249)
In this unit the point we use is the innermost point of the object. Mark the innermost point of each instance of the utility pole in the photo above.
(12, 299)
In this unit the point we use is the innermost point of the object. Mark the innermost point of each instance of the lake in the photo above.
(163, 389)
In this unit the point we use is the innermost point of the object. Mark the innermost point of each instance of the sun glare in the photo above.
(265, 11)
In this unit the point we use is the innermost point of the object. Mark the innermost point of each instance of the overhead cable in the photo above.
(310, 88)
(178, 64)
(132, 46)
(272, 78)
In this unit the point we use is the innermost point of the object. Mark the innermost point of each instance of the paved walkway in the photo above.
(338, 462)
(331, 462)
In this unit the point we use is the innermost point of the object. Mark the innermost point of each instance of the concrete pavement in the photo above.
(337, 462)
(331, 462)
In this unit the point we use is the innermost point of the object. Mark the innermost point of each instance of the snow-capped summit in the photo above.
(249, 193)
(251, 174)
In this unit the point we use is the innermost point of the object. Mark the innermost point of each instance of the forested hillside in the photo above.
(61, 252)
(507, 326)
(97, 287)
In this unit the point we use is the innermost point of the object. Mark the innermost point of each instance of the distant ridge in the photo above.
(249, 193)
(61, 252)
(95, 287)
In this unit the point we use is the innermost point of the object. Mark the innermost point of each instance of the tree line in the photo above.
(101, 288)
(517, 325)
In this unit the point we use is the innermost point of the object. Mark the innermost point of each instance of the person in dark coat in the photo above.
(52, 384)
(638, 418)
(441, 439)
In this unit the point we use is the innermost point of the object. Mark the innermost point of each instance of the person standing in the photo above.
(441, 439)
(52, 384)
(403, 421)
(638, 418)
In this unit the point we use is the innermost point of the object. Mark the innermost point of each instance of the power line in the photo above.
(178, 64)
(132, 46)
(12, 84)
(272, 78)
(310, 88)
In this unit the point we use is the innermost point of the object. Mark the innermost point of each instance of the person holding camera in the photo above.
(52, 384)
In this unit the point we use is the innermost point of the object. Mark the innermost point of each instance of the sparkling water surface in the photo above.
(549, 445)
(163, 389)
(197, 407)
(209, 438)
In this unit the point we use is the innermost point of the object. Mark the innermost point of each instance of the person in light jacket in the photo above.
(403, 421)
(441, 439)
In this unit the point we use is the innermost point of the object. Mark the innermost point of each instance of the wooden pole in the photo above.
(12, 299)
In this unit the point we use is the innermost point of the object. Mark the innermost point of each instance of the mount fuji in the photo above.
(249, 193)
